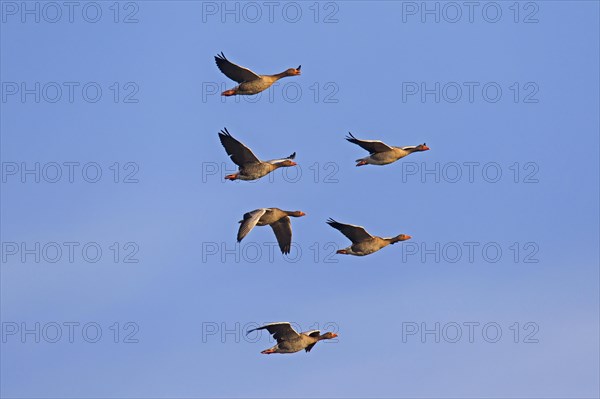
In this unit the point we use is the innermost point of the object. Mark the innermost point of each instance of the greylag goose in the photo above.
(381, 153)
(249, 82)
(363, 243)
(289, 341)
(249, 166)
(276, 218)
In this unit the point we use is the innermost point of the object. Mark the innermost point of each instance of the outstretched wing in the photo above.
(250, 220)
(234, 71)
(354, 233)
(273, 161)
(281, 331)
(312, 333)
(309, 347)
(372, 146)
(283, 232)
(239, 153)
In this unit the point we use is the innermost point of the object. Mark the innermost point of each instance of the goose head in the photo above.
(293, 71)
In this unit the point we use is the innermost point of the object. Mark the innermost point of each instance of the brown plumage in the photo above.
(363, 243)
(289, 341)
(249, 82)
(381, 153)
(276, 218)
(249, 166)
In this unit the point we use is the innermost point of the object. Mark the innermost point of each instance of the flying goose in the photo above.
(363, 243)
(289, 341)
(249, 82)
(249, 166)
(381, 153)
(276, 218)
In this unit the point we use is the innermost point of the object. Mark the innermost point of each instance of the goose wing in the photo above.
(283, 232)
(282, 331)
(233, 71)
(250, 220)
(372, 146)
(239, 153)
(312, 333)
(354, 233)
(274, 161)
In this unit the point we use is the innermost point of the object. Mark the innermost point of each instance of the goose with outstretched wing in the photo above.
(290, 341)
(249, 166)
(249, 82)
(278, 219)
(363, 243)
(381, 153)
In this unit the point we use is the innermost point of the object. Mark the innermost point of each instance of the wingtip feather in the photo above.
(224, 132)
(351, 138)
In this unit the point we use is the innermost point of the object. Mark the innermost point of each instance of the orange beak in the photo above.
(407, 237)
(302, 213)
(425, 148)
(293, 163)
(340, 251)
(334, 335)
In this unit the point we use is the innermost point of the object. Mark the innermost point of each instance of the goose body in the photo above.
(290, 341)
(279, 221)
(249, 166)
(363, 243)
(381, 153)
(249, 82)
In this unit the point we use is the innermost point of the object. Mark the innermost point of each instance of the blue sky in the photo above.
(170, 210)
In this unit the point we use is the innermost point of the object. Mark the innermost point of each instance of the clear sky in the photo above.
(500, 88)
